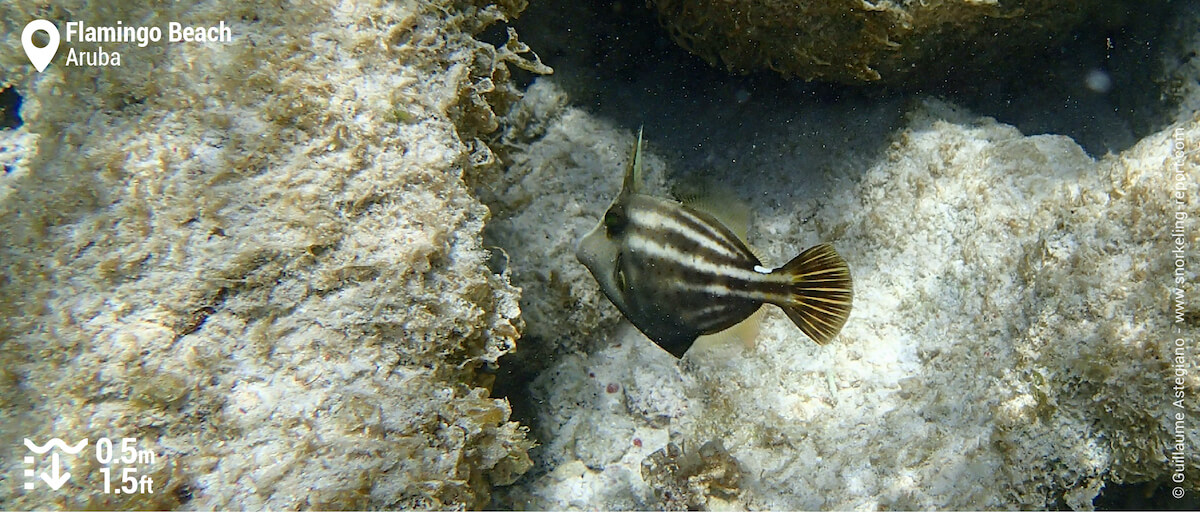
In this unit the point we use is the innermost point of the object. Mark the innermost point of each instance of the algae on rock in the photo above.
(260, 258)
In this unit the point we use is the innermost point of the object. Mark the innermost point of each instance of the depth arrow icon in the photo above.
(54, 479)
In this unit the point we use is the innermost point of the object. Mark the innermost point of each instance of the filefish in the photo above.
(678, 273)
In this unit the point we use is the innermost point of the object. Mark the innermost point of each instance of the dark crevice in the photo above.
(10, 108)
(1096, 84)
(1148, 496)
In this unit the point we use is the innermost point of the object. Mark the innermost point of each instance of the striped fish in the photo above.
(677, 273)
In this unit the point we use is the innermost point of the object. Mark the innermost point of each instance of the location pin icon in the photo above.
(40, 57)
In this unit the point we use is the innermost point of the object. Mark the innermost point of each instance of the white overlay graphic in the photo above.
(40, 57)
(55, 478)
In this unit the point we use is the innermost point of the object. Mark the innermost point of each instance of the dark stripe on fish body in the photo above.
(678, 279)
(698, 271)
(684, 273)
(706, 319)
(689, 248)
(689, 254)
(690, 218)
(710, 311)
(707, 229)
(713, 242)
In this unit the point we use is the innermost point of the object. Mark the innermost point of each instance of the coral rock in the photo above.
(858, 41)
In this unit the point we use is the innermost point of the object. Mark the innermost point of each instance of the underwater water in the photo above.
(440, 255)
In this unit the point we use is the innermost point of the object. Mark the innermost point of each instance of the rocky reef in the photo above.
(856, 41)
(331, 266)
(1011, 344)
(1007, 346)
(259, 259)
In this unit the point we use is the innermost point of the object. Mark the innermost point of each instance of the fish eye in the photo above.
(614, 221)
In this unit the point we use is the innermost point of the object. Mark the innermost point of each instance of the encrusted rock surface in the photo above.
(857, 41)
(259, 258)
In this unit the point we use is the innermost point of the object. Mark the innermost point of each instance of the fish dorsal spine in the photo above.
(633, 170)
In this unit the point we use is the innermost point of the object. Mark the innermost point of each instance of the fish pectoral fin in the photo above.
(820, 294)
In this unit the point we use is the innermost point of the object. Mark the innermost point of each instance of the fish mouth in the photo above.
(585, 251)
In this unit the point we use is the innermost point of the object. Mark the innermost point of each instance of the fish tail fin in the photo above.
(821, 292)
